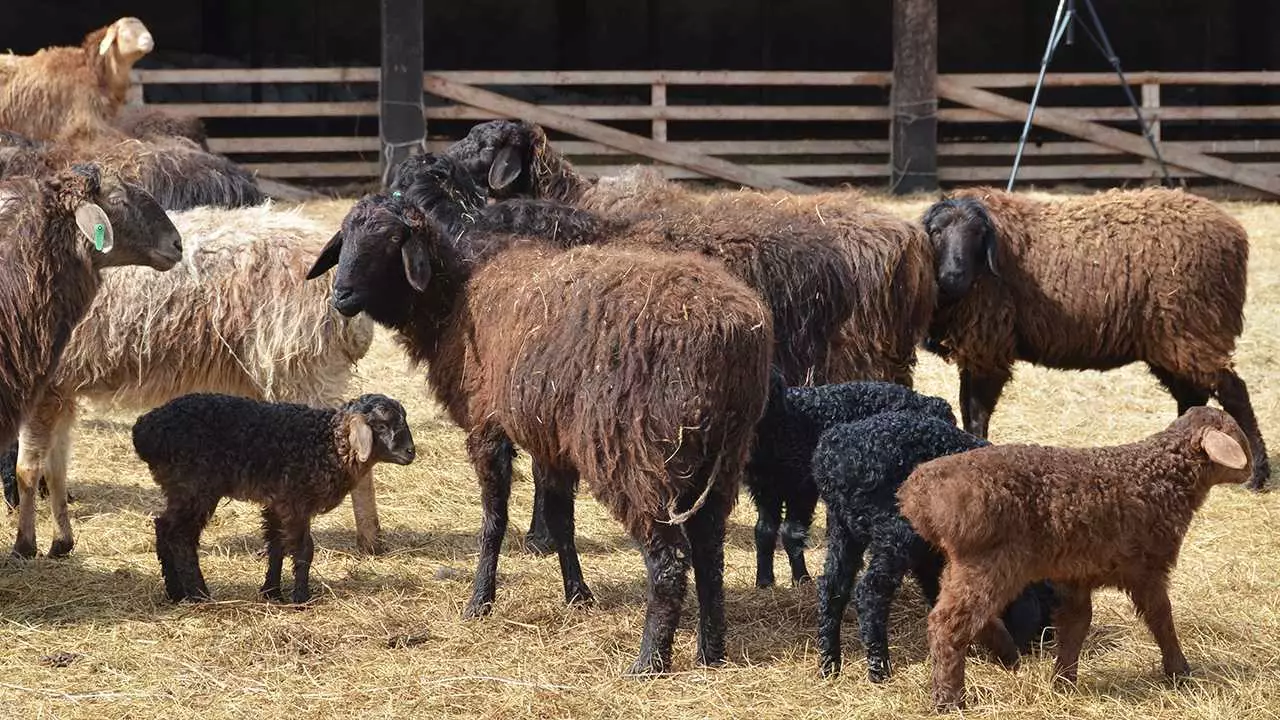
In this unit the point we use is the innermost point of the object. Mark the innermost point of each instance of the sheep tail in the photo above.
(678, 518)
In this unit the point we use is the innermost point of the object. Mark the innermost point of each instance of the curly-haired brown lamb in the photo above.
(56, 235)
(1082, 518)
(641, 373)
(1153, 275)
(297, 461)
(70, 93)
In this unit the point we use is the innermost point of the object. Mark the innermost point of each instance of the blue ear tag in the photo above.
(99, 236)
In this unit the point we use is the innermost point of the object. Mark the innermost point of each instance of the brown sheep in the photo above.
(56, 235)
(643, 374)
(1082, 518)
(1153, 275)
(63, 93)
(152, 123)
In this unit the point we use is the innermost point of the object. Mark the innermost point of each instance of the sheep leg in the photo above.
(795, 532)
(302, 548)
(1151, 598)
(491, 454)
(978, 397)
(1234, 396)
(24, 546)
(844, 558)
(178, 532)
(768, 518)
(364, 506)
(1074, 612)
(874, 594)
(1186, 393)
(706, 530)
(58, 436)
(666, 558)
(968, 599)
(272, 532)
(559, 519)
(540, 540)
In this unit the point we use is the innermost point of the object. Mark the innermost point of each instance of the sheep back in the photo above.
(631, 366)
(236, 316)
(1097, 282)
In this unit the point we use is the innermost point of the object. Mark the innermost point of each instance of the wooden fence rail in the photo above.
(673, 107)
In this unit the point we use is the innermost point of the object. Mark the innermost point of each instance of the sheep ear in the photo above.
(328, 257)
(1223, 449)
(361, 436)
(95, 227)
(107, 40)
(989, 242)
(417, 265)
(506, 168)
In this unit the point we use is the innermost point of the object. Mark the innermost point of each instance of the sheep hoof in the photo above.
(802, 580)
(271, 593)
(646, 668)
(878, 670)
(1177, 671)
(539, 544)
(300, 599)
(581, 595)
(829, 668)
(763, 582)
(477, 609)
(947, 702)
(61, 547)
(366, 546)
(24, 548)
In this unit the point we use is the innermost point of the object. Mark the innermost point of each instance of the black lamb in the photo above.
(858, 467)
(780, 476)
(295, 460)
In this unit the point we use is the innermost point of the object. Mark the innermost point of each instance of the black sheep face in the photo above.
(122, 222)
(964, 242)
(388, 437)
(501, 154)
(383, 257)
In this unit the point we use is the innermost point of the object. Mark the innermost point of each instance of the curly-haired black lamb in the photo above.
(295, 460)
(859, 467)
(1153, 275)
(641, 373)
(780, 474)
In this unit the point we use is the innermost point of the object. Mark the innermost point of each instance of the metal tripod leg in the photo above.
(1061, 20)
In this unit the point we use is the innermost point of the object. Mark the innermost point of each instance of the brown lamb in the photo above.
(66, 93)
(56, 235)
(1083, 518)
(1152, 275)
(643, 374)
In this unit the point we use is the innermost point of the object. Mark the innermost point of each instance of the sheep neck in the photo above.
(557, 179)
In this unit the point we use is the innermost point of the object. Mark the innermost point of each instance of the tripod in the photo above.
(1063, 26)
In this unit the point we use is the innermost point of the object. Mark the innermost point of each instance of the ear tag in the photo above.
(395, 193)
(99, 236)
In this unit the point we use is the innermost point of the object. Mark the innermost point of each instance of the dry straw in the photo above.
(92, 636)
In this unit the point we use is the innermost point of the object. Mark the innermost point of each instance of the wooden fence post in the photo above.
(401, 123)
(913, 131)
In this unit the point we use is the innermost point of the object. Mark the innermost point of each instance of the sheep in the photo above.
(1082, 518)
(886, 291)
(780, 473)
(56, 235)
(153, 123)
(66, 93)
(295, 460)
(641, 373)
(1152, 275)
(174, 170)
(234, 318)
(859, 466)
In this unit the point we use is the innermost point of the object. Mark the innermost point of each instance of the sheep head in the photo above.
(383, 256)
(441, 187)
(964, 241)
(505, 152)
(117, 47)
(379, 431)
(122, 223)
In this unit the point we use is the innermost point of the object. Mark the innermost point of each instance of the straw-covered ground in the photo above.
(92, 636)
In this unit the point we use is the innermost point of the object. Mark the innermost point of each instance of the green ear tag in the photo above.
(99, 236)
(395, 193)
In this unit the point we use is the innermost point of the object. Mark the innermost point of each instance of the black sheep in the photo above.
(780, 477)
(297, 461)
(858, 468)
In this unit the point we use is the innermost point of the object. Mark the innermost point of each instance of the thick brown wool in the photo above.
(890, 273)
(1083, 518)
(634, 392)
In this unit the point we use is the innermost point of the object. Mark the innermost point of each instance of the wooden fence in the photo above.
(848, 141)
